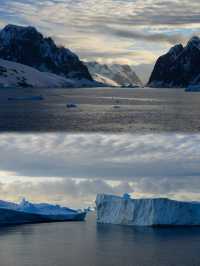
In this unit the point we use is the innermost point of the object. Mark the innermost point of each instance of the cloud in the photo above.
(149, 37)
(88, 26)
(74, 168)
(64, 191)
(93, 156)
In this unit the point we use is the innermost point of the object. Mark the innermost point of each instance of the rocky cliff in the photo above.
(27, 46)
(179, 67)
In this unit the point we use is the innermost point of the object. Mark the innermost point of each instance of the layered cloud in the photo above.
(74, 168)
(109, 29)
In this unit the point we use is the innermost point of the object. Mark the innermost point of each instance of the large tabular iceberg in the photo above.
(146, 212)
(27, 212)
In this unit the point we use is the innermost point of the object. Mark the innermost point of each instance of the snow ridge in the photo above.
(115, 75)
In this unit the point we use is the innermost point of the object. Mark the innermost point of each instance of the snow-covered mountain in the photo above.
(179, 67)
(17, 75)
(114, 74)
(146, 212)
(27, 46)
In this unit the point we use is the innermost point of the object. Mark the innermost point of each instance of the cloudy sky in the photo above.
(127, 31)
(72, 169)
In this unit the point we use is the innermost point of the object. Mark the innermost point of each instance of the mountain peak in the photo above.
(194, 41)
(11, 28)
(26, 45)
(176, 49)
(14, 32)
(179, 67)
(17, 27)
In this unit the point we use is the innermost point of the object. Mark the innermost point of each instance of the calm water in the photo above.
(88, 244)
(140, 110)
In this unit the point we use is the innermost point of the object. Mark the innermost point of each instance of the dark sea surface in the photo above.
(141, 110)
(88, 244)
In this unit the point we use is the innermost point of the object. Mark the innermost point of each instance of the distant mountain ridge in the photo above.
(179, 67)
(113, 74)
(27, 46)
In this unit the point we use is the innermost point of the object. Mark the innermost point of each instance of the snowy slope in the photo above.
(17, 75)
(114, 74)
(146, 212)
(104, 80)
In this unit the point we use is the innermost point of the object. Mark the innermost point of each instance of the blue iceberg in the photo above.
(27, 212)
(146, 212)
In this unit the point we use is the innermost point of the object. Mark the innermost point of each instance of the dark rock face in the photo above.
(179, 67)
(27, 46)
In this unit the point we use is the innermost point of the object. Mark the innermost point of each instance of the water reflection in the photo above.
(88, 244)
(149, 246)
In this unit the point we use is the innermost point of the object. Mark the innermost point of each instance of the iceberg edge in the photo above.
(146, 212)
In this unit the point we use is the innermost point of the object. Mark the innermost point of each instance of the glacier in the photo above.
(146, 212)
(114, 75)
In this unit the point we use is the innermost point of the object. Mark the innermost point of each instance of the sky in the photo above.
(123, 31)
(70, 169)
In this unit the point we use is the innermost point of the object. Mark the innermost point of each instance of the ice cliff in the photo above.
(146, 212)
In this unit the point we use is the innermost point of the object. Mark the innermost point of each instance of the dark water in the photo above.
(141, 110)
(88, 244)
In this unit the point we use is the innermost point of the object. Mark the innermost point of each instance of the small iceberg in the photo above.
(26, 98)
(27, 212)
(193, 88)
(71, 105)
(116, 107)
(146, 212)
